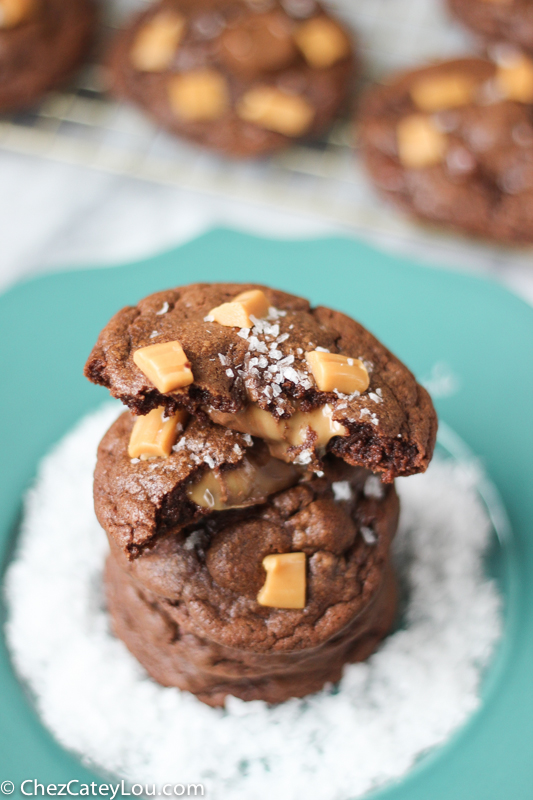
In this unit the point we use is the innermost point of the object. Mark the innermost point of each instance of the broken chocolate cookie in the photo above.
(306, 380)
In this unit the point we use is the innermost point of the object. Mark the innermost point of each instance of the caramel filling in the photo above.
(281, 434)
(257, 477)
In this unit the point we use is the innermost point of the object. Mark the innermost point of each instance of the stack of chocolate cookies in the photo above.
(248, 495)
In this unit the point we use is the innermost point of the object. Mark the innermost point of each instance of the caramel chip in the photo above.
(154, 434)
(165, 365)
(13, 12)
(334, 371)
(157, 41)
(440, 92)
(270, 108)
(420, 142)
(284, 586)
(322, 42)
(199, 96)
(237, 313)
(514, 79)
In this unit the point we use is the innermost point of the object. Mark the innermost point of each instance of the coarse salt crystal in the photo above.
(368, 534)
(305, 457)
(373, 487)
(291, 375)
(163, 310)
(342, 490)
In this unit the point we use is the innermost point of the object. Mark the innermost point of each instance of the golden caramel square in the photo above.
(322, 42)
(13, 12)
(514, 79)
(155, 434)
(270, 108)
(165, 365)
(285, 583)
(237, 313)
(157, 41)
(199, 96)
(420, 143)
(440, 92)
(334, 371)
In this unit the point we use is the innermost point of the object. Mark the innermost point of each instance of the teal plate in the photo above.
(426, 316)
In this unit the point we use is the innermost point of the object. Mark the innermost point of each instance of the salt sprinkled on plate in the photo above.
(410, 696)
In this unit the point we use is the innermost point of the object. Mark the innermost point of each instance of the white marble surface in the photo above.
(56, 216)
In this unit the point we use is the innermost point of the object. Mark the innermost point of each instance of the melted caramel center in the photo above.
(280, 434)
(257, 477)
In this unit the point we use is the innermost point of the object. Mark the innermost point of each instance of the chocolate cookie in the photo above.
(307, 380)
(156, 632)
(452, 143)
(214, 574)
(242, 77)
(497, 20)
(41, 43)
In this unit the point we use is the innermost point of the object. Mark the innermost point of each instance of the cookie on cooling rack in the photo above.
(452, 143)
(245, 77)
(41, 43)
(497, 20)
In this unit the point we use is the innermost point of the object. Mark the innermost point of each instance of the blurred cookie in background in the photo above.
(497, 20)
(452, 143)
(41, 44)
(244, 78)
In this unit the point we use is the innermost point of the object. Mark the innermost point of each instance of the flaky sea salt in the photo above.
(373, 487)
(408, 697)
(341, 490)
(368, 534)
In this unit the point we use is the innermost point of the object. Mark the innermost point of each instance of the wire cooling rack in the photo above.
(81, 125)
